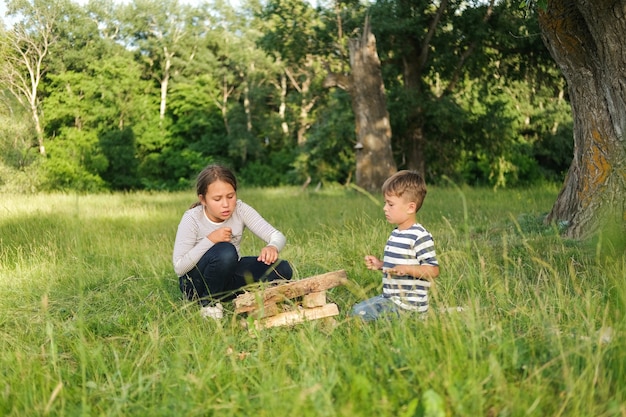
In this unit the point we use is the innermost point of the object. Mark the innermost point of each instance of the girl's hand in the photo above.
(373, 263)
(269, 255)
(223, 234)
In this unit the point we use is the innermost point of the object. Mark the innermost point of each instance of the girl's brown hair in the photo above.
(209, 175)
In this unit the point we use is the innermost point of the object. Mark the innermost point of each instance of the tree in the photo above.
(100, 118)
(162, 31)
(428, 42)
(374, 159)
(23, 50)
(291, 36)
(585, 38)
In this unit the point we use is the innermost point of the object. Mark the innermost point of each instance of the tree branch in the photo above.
(467, 53)
(334, 79)
(423, 55)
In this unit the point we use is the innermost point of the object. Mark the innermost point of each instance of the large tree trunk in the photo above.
(585, 38)
(416, 160)
(413, 66)
(374, 158)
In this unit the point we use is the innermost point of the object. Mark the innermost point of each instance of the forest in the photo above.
(141, 95)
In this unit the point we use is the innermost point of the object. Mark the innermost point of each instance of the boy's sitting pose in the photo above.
(409, 261)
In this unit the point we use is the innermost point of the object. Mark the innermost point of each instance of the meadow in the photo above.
(92, 322)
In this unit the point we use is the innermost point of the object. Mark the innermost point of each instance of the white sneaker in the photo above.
(215, 312)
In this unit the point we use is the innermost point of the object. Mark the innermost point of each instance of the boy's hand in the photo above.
(426, 272)
(373, 263)
(398, 270)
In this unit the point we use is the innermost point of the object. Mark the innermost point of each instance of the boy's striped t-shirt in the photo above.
(412, 246)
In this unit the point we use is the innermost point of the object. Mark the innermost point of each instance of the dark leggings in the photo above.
(220, 273)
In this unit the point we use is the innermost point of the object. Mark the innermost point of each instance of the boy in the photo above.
(409, 261)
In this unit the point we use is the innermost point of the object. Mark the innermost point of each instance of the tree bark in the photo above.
(585, 38)
(374, 158)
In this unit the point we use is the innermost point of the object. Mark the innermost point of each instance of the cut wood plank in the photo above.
(298, 316)
(250, 301)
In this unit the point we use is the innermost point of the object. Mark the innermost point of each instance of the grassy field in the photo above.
(92, 322)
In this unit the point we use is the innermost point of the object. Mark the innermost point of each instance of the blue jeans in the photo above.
(220, 273)
(375, 308)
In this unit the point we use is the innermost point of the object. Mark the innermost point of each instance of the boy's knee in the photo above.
(361, 311)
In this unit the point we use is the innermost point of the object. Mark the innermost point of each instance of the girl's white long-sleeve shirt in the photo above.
(194, 227)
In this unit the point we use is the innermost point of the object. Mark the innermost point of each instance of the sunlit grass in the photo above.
(92, 322)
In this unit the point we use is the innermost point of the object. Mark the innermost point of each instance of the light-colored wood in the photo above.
(298, 316)
(250, 301)
(315, 299)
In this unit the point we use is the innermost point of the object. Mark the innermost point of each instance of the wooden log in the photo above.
(250, 301)
(315, 299)
(298, 316)
(266, 310)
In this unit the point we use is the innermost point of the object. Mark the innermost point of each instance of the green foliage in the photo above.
(328, 154)
(19, 160)
(120, 149)
(196, 135)
(275, 171)
(542, 4)
(245, 87)
(172, 170)
(17, 144)
(92, 321)
(74, 163)
(98, 114)
(24, 180)
(291, 30)
(484, 118)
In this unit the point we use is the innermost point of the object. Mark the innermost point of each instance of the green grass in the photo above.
(92, 322)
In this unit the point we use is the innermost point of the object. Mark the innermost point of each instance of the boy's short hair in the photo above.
(407, 184)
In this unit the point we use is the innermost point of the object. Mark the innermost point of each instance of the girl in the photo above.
(206, 251)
